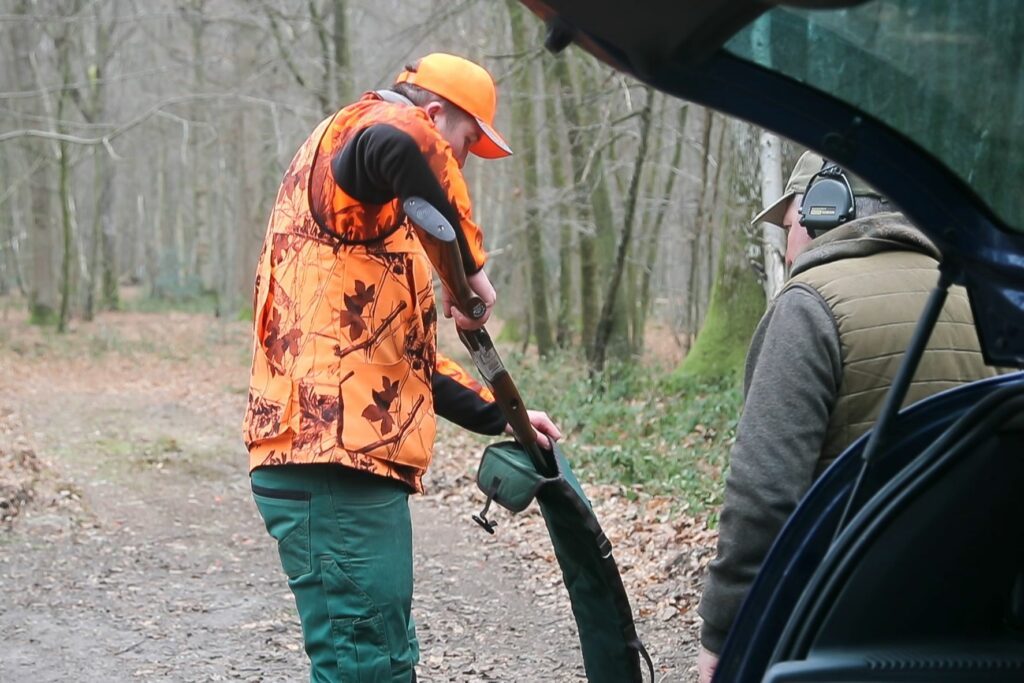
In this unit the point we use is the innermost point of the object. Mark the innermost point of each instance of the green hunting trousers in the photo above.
(345, 540)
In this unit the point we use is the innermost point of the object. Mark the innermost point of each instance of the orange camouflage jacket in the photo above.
(344, 356)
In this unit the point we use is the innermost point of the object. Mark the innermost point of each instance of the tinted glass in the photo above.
(946, 73)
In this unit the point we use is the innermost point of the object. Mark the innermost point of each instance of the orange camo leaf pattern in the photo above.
(352, 316)
(379, 411)
(318, 415)
(279, 248)
(359, 299)
(345, 332)
(266, 416)
(278, 345)
(354, 323)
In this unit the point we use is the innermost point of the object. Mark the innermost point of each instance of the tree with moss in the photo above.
(737, 298)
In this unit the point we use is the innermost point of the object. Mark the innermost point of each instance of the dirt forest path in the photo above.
(142, 557)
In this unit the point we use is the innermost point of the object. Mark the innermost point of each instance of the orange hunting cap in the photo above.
(469, 87)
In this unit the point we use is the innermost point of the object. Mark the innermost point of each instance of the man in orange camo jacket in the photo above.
(346, 380)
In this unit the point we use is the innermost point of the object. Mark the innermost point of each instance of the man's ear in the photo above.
(433, 108)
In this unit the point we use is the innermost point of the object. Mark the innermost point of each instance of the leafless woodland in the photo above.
(141, 144)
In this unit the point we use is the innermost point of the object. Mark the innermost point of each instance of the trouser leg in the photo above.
(345, 541)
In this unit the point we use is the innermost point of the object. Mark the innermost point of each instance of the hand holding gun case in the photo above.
(513, 473)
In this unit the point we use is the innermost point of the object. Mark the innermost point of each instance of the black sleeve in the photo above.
(466, 408)
(381, 163)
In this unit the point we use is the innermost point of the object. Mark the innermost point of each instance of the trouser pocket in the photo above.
(357, 627)
(286, 516)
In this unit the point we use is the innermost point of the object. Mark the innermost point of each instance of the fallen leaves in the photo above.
(662, 552)
(197, 554)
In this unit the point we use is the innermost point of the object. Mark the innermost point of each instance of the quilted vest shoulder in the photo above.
(876, 302)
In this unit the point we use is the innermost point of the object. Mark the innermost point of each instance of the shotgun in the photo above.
(442, 247)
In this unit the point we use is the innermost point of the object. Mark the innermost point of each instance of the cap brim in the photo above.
(490, 145)
(775, 213)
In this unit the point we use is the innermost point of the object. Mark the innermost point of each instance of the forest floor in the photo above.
(130, 548)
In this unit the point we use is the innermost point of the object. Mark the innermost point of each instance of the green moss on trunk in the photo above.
(41, 314)
(737, 303)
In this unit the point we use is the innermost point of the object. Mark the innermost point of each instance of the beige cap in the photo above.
(806, 167)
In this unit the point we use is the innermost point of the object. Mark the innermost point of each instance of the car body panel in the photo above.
(803, 543)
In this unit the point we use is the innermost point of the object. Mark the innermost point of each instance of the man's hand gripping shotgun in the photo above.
(443, 249)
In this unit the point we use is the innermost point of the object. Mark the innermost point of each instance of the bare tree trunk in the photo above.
(654, 241)
(588, 286)
(342, 55)
(104, 267)
(95, 238)
(605, 241)
(98, 178)
(634, 266)
(197, 241)
(102, 247)
(160, 249)
(604, 326)
(67, 246)
(8, 267)
(772, 236)
(179, 254)
(240, 218)
(563, 324)
(145, 253)
(524, 115)
(585, 238)
(700, 225)
(736, 300)
(63, 45)
(325, 94)
(42, 291)
(707, 282)
(604, 249)
(108, 235)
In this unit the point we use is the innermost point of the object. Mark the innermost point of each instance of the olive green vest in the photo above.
(875, 301)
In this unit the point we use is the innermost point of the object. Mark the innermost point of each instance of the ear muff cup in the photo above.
(828, 201)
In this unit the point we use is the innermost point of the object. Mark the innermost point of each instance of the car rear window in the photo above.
(949, 74)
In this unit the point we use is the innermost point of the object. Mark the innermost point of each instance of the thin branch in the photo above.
(155, 110)
(107, 80)
(275, 30)
(413, 36)
(26, 177)
(398, 435)
(185, 125)
(372, 339)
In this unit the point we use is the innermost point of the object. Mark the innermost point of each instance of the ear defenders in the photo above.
(828, 201)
